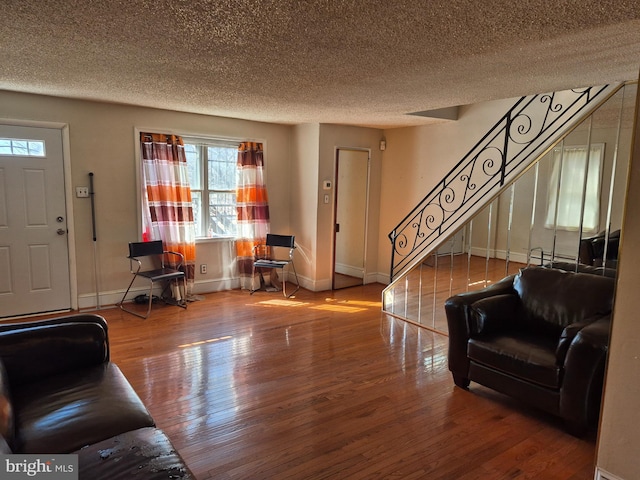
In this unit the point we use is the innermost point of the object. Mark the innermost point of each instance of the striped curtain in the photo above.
(166, 199)
(253, 208)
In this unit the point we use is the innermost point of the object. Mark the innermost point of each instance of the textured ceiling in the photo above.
(348, 62)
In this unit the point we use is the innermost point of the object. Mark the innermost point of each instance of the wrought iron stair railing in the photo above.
(529, 129)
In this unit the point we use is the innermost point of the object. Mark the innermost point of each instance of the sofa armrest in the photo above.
(584, 373)
(34, 350)
(568, 334)
(458, 311)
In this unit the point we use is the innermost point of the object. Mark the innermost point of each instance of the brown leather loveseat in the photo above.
(540, 336)
(59, 393)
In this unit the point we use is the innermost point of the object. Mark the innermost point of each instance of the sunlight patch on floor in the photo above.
(282, 303)
(338, 308)
(363, 303)
(332, 304)
(202, 342)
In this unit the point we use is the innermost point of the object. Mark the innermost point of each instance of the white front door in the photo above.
(34, 255)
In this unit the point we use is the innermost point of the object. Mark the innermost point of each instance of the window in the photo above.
(570, 167)
(21, 148)
(212, 177)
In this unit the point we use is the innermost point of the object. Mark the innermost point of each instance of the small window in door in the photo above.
(21, 148)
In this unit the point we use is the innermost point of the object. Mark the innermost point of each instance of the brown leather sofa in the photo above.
(591, 250)
(60, 393)
(540, 336)
(581, 268)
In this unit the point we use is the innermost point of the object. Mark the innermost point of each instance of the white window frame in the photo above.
(22, 147)
(200, 186)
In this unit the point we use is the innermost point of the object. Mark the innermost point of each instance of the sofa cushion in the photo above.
(68, 411)
(551, 299)
(526, 356)
(143, 453)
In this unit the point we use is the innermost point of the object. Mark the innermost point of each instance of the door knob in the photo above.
(61, 231)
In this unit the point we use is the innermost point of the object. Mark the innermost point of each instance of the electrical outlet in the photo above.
(203, 268)
(82, 192)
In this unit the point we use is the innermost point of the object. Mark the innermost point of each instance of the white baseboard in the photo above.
(217, 285)
(87, 301)
(501, 254)
(604, 475)
(375, 278)
(316, 285)
(305, 282)
(349, 270)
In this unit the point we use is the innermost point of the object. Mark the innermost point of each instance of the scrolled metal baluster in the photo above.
(434, 215)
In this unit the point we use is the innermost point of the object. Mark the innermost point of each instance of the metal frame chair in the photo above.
(154, 250)
(265, 257)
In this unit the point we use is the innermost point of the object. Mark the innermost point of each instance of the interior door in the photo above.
(352, 179)
(34, 255)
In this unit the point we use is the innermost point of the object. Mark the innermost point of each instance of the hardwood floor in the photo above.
(345, 281)
(325, 385)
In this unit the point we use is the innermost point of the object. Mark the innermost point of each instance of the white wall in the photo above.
(619, 438)
(102, 141)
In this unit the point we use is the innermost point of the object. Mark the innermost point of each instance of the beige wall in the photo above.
(619, 440)
(417, 158)
(102, 141)
(313, 161)
(331, 138)
(304, 200)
